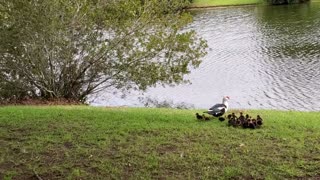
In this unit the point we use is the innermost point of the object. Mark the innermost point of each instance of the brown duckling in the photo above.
(241, 117)
(238, 122)
(205, 117)
(251, 124)
(199, 117)
(221, 119)
(254, 121)
(234, 116)
(259, 120)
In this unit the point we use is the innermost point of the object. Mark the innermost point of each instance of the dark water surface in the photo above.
(264, 57)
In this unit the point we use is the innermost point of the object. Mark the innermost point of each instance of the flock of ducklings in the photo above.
(245, 121)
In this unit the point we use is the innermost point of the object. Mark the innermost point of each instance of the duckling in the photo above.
(241, 117)
(251, 124)
(221, 119)
(247, 121)
(199, 117)
(245, 124)
(205, 117)
(234, 116)
(233, 121)
(230, 121)
(259, 120)
(238, 122)
(254, 121)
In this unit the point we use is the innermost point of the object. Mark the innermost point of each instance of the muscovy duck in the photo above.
(219, 109)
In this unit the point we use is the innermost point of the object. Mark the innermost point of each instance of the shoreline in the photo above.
(54, 105)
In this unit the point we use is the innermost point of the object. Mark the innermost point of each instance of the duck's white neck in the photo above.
(225, 102)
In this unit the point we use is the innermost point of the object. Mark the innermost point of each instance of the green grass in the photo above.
(209, 3)
(80, 142)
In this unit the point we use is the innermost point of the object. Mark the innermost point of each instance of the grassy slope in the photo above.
(92, 143)
(206, 3)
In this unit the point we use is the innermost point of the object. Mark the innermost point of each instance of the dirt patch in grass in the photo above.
(34, 175)
(68, 145)
(7, 165)
(52, 156)
(316, 177)
(166, 148)
(145, 133)
(49, 175)
(25, 131)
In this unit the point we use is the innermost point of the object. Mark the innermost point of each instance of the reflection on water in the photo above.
(262, 57)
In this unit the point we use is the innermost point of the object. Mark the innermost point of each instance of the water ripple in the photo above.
(263, 57)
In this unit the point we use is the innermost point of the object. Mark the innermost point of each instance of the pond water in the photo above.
(263, 57)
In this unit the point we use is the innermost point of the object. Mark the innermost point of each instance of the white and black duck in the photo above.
(219, 109)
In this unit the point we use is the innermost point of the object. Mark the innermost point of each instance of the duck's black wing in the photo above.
(217, 110)
(220, 113)
(218, 107)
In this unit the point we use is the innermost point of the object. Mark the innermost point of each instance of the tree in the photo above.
(73, 48)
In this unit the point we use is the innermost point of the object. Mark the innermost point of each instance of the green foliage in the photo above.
(70, 49)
